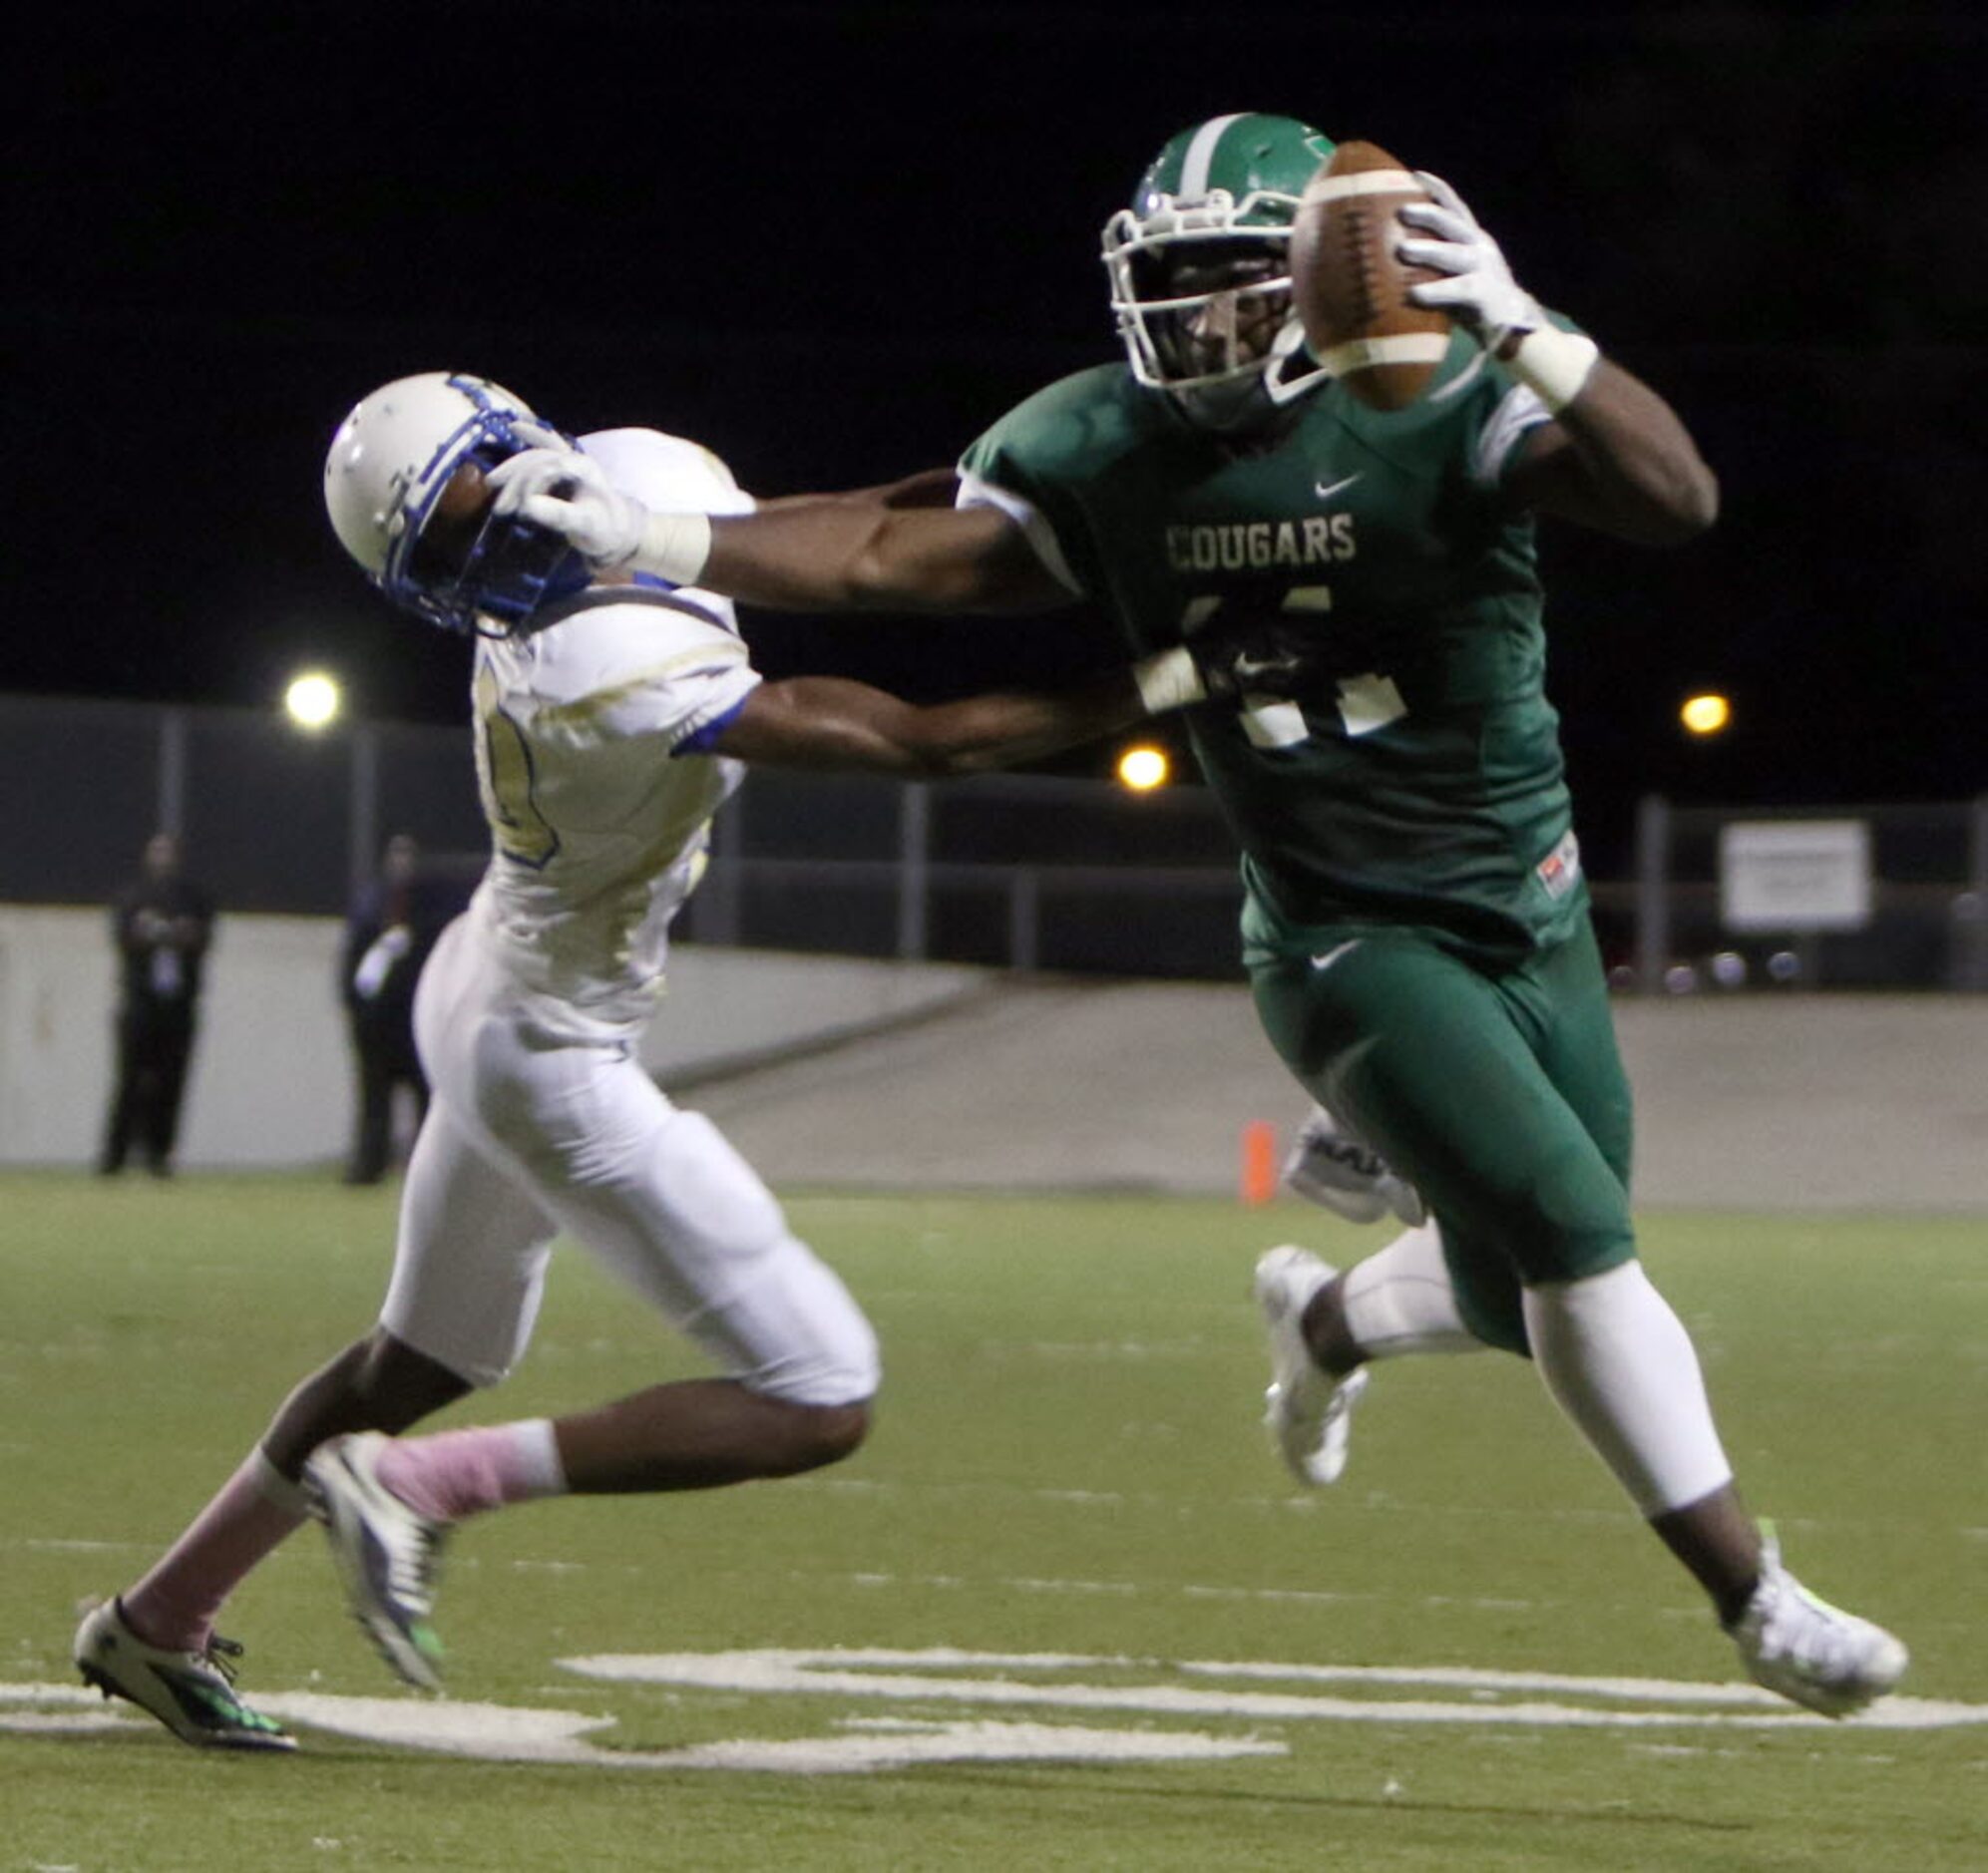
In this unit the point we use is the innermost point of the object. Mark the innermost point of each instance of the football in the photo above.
(1352, 293)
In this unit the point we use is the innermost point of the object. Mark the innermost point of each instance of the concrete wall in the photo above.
(271, 1076)
(836, 1071)
(1770, 1102)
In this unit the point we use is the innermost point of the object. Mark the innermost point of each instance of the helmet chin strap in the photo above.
(1289, 347)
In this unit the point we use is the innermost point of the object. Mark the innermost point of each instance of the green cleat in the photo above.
(388, 1555)
(191, 1693)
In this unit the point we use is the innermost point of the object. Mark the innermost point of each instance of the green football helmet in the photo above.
(1222, 196)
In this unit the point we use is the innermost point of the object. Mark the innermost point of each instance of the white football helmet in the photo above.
(388, 467)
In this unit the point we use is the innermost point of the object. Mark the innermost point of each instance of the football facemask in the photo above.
(389, 467)
(1199, 266)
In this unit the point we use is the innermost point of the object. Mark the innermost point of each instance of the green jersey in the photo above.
(1424, 785)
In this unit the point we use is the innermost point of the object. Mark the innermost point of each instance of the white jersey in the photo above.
(543, 1119)
(598, 826)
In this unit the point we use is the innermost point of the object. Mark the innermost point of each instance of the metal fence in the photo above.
(1016, 871)
(1865, 897)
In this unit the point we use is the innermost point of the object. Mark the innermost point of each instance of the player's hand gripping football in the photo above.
(1477, 287)
(569, 493)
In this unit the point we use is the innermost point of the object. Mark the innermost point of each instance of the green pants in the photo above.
(1499, 1092)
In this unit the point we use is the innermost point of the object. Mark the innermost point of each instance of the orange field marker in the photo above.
(1259, 1168)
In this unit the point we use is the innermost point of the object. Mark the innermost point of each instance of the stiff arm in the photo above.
(887, 548)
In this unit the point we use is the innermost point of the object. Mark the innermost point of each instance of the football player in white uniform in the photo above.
(611, 719)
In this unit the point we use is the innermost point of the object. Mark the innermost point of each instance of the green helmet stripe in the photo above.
(1200, 156)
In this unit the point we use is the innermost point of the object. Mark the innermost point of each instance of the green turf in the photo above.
(1067, 1459)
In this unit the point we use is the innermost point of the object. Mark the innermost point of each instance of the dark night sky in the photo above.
(834, 241)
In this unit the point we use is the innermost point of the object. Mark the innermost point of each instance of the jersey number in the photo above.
(505, 779)
(1365, 702)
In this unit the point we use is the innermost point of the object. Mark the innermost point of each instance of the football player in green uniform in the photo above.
(1417, 925)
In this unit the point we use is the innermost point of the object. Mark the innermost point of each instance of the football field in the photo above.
(1063, 1612)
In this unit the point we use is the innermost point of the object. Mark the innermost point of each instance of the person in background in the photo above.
(161, 924)
(393, 923)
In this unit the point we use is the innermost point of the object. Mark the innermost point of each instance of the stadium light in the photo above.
(1706, 714)
(1144, 768)
(314, 700)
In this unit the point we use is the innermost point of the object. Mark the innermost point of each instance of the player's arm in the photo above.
(828, 722)
(929, 488)
(857, 552)
(876, 549)
(1616, 457)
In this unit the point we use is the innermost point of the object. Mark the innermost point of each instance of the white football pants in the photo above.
(529, 1134)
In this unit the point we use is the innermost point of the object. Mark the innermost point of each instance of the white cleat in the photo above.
(1809, 1650)
(191, 1693)
(1331, 1167)
(388, 1555)
(1308, 1413)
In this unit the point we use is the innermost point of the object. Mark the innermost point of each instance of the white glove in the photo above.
(569, 493)
(377, 965)
(1479, 289)
(1331, 1166)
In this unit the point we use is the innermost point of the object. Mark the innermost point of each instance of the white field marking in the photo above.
(1337, 1503)
(1280, 1596)
(1114, 1349)
(490, 1733)
(895, 1747)
(1026, 1585)
(1474, 1679)
(1267, 1596)
(853, 1673)
(60, 1723)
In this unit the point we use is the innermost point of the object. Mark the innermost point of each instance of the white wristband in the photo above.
(1553, 364)
(675, 547)
(1168, 680)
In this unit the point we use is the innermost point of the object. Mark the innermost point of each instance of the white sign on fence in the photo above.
(1794, 874)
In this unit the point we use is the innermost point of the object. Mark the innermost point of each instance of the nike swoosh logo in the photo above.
(1333, 954)
(1325, 490)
